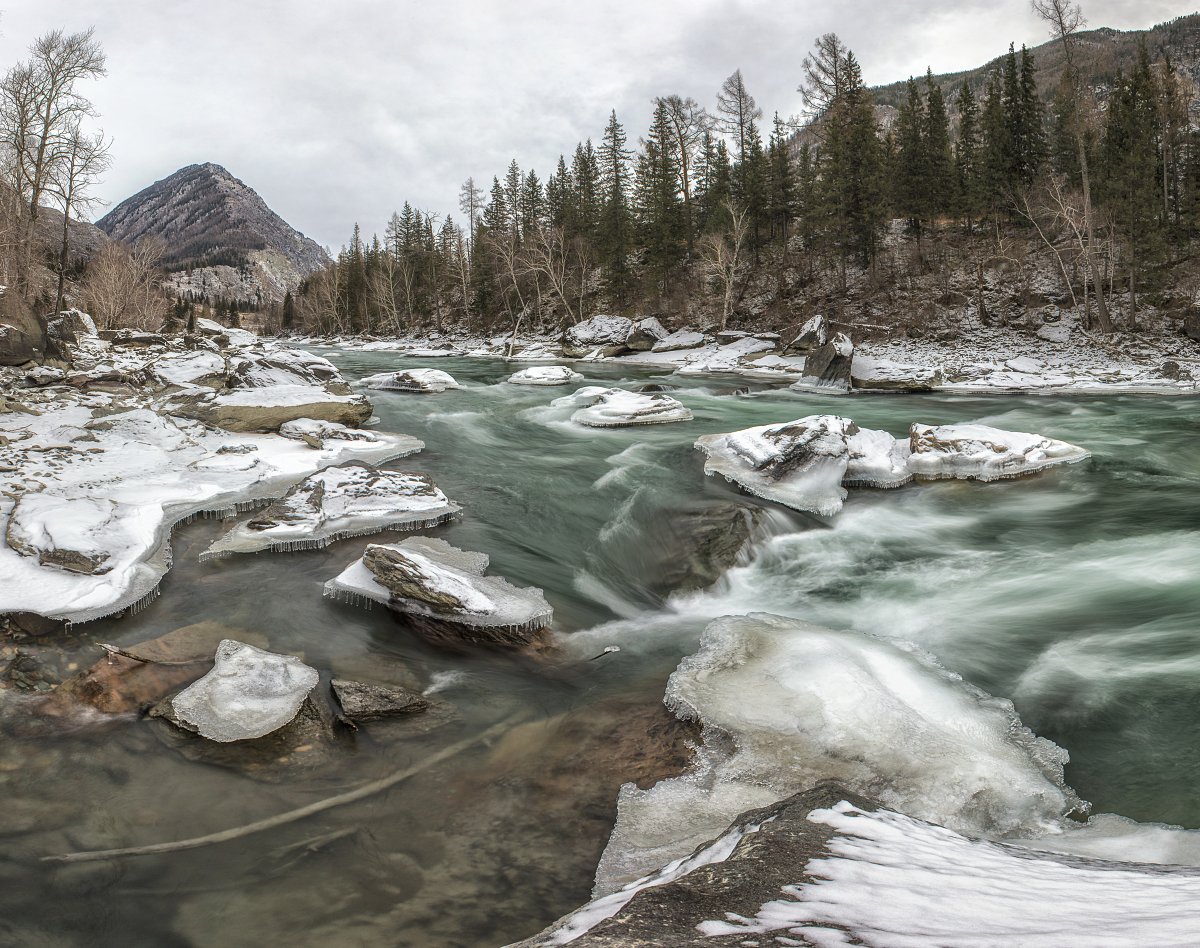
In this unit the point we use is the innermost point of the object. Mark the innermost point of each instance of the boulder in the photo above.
(266, 409)
(812, 335)
(18, 346)
(605, 335)
(419, 381)
(677, 341)
(980, 452)
(86, 535)
(363, 701)
(827, 367)
(616, 408)
(545, 375)
(71, 325)
(646, 334)
(136, 339)
(1191, 325)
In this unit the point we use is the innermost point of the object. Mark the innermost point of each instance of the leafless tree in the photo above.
(689, 121)
(85, 160)
(824, 75)
(470, 200)
(721, 257)
(564, 264)
(738, 111)
(122, 288)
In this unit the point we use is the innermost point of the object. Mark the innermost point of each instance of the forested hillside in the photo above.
(1056, 183)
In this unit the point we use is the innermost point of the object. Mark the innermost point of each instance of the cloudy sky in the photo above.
(338, 112)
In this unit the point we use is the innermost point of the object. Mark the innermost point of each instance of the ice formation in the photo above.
(422, 381)
(881, 721)
(249, 693)
(979, 452)
(617, 408)
(545, 375)
(336, 503)
(429, 577)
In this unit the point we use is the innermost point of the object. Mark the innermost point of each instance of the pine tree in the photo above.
(585, 174)
(909, 186)
(658, 198)
(781, 182)
(615, 238)
(967, 171)
(939, 188)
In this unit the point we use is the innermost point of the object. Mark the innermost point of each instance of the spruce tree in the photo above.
(614, 241)
(939, 188)
(967, 157)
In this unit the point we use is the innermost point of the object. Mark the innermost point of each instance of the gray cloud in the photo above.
(339, 112)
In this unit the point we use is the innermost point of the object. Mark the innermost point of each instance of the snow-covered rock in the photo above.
(70, 326)
(44, 375)
(429, 578)
(980, 452)
(677, 341)
(235, 336)
(617, 408)
(733, 356)
(338, 502)
(248, 694)
(607, 335)
(812, 335)
(316, 433)
(646, 334)
(195, 367)
(545, 375)
(280, 366)
(265, 409)
(423, 381)
(877, 459)
(80, 534)
(827, 367)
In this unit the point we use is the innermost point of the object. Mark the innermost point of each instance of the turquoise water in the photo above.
(1075, 593)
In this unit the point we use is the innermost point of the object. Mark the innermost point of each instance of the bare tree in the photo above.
(86, 159)
(824, 75)
(1065, 19)
(470, 201)
(122, 287)
(688, 122)
(721, 257)
(565, 264)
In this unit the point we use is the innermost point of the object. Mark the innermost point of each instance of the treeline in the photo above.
(711, 203)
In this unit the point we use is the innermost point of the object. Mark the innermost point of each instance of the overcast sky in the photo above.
(337, 112)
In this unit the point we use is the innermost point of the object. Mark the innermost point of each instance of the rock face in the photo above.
(420, 381)
(222, 239)
(605, 335)
(248, 694)
(339, 502)
(432, 580)
(617, 408)
(827, 366)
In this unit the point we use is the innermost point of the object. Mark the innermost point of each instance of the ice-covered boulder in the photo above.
(827, 367)
(422, 381)
(339, 502)
(87, 535)
(248, 694)
(607, 335)
(429, 578)
(877, 459)
(616, 408)
(683, 339)
(980, 452)
(545, 375)
(646, 334)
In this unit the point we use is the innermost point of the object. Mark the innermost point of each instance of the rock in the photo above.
(827, 367)
(248, 694)
(980, 452)
(605, 335)
(617, 408)
(652, 388)
(1173, 371)
(284, 367)
(545, 375)
(430, 580)
(315, 433)
(726, 336)
(422, 381)
(134, 339)
(86, 535)
(267, 409)
(1191, 325)
(71, 325)
(699, 544)
(362, 701)
(338, 502)
(44, 375)
(1054, 332)
(645, 335)
(812, 335)
(676, 341)
(18, 346)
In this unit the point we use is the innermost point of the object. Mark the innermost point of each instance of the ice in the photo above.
(429, 577)
(881, 721)
(800, 464)
(545, 375)
(340, 502)
(615, 408)
(424, 381)
(248, 694)
(983, 453)
(80, 534)
(892, 880)
(876, 460)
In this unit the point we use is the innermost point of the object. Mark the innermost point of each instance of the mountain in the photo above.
(221, 239)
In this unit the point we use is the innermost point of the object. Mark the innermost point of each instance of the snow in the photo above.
(85, 535)
(683, 339)
(339, 502)
(880, 720)
(891, 880)
(615, 408)
(188, 368)
(610, 332)
(277, 396)
(545, 375)
(434, 569)
(248, 694)
(425, 381)
(304, 429)
(983, 453)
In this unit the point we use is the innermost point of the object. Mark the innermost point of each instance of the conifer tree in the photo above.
(615, 238)
(939, 189)
(967, 157)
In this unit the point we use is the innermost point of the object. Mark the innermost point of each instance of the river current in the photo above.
(1075, 594)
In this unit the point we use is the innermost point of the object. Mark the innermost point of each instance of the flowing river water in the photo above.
(1075, 594)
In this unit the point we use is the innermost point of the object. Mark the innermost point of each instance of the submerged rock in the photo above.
(338, 502)
(980, 452)
(363, 701)
(602, 335)
(617, 408)
(248, 694)
(430, 579)
(694, 547)
(420, 381)
(545, 375)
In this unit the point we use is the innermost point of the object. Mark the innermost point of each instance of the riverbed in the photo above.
(1075, 594)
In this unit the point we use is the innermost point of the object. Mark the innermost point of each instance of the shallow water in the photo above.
(1075, 593)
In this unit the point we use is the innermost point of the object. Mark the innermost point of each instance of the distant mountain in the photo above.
(221, 238)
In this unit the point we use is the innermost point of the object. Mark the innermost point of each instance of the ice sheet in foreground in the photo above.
(617, 408)
(786, 704)
(980, 452)
(429, 577)
(249, 693)
(339, 502)
(422, 381)
(545, 375)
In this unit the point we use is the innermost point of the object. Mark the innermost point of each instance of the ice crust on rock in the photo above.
(843, 706)
(877, 459)
(86, 535)
(979, 452)
(339, 502)
(615, 408)
(421, 381)
(429, 577)
(248, 694)
(545, 375)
